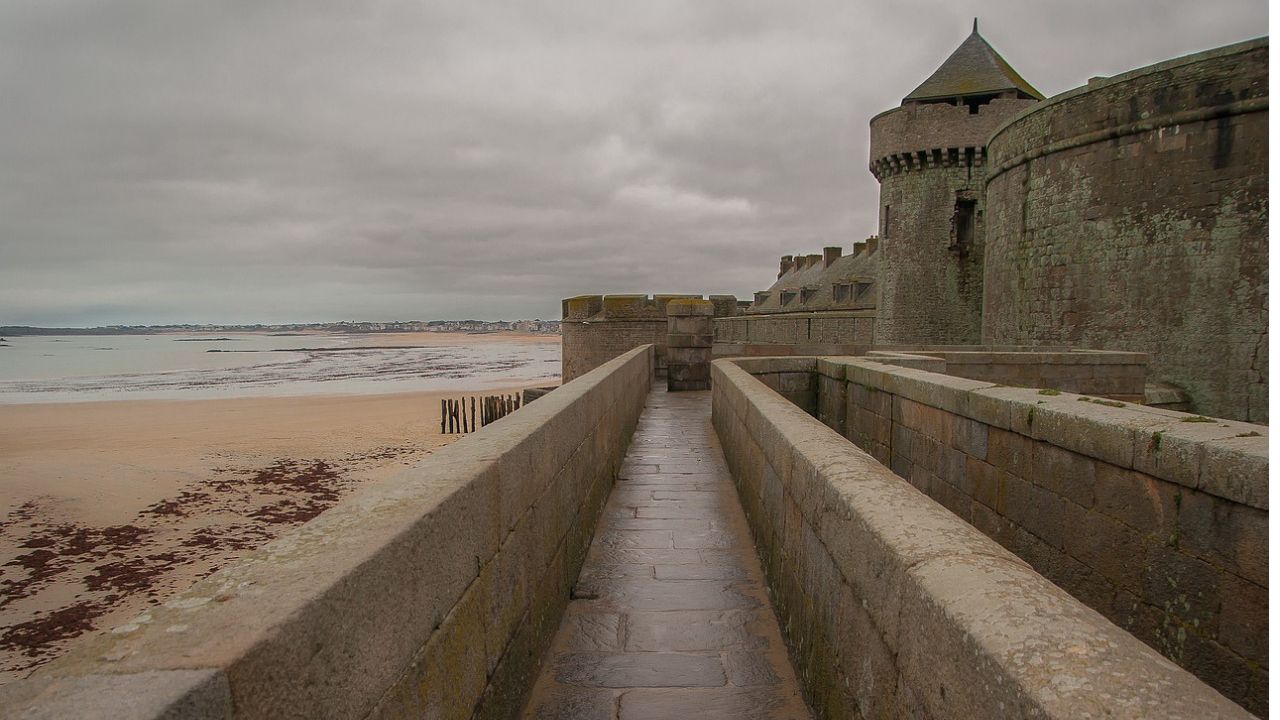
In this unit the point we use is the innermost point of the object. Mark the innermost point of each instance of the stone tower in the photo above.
(929, 155)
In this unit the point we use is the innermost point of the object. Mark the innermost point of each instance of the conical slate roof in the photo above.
(975, 68)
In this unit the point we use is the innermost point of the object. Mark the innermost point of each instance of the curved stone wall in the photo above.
(911, 133)
(1131, 214)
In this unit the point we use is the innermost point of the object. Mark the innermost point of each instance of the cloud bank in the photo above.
(305, 161)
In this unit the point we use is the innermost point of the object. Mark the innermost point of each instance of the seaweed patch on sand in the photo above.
(60, 580)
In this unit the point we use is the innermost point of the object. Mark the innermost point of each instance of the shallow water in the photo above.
(135, 367)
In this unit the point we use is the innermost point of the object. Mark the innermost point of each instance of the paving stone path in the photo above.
(671, 617)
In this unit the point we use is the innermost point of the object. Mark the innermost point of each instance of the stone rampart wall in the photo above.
(586, 346)
(431, 594)
(798, 328)
(1132, 214)
(894, 607)
(1154, 518)
(598, 328)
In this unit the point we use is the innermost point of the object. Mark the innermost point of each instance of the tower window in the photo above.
(963, 225)
(885, 231)
(974, 102)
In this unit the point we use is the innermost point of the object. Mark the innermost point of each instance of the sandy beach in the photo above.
(110, 506)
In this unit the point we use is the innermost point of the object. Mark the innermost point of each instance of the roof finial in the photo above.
(975, 26)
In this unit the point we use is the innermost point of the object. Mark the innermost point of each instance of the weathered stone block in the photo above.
(198, 694)
(1111, 548)
(1066, 473)
(1237, 469)
(969, 436)
(688, 325)
(1242, 625)
(1010, 451)
(683, 340)
(1140, 501)
(1227, 534)
(690, 306)
(689, 371)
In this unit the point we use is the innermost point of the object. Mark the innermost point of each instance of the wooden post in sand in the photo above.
(473, 413)
(442, 413)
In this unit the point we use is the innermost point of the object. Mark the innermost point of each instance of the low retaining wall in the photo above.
(894, 607)
(432, 594)
(843, 327)
(1116, 375)
(1155, 518)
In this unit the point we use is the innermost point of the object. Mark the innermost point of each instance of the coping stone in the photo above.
(198, 694)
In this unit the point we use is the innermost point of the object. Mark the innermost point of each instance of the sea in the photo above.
(77, 368)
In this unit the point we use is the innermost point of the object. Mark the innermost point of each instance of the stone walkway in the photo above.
(671, 616)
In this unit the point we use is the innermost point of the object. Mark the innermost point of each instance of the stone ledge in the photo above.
(1125, 436)
(200, 694)
(971, 630)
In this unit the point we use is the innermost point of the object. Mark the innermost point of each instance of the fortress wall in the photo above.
(797, 328)
(586, 346)
(1152, 518)
(431, 594)
(894, 607)
(1131, 214)
(597, 328)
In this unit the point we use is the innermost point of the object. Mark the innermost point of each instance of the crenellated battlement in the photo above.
(602, 308)
(598, 328)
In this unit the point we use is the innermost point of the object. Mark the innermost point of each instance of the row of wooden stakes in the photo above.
(454, 418)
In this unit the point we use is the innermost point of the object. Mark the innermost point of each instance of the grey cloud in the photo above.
(272, 161)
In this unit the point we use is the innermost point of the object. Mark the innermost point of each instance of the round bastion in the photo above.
(1131, 214)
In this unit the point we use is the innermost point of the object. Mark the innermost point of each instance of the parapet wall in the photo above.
(1113, 375)
(836, 327)
(430, 594)
(1154, 518)
(598, 328)
(1131, 214)
(920, 135)
(894, 607)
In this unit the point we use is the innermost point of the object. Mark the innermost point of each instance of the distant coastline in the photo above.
(537, 327)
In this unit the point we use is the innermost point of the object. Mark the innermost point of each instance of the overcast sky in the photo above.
(275, 161)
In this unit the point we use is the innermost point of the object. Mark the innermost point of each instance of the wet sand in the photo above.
(109, 507)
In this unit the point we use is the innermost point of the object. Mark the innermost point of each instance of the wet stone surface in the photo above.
(671, 615)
